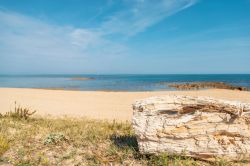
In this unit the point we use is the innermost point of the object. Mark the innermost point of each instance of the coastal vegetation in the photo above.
(68, 141)
(19, 113)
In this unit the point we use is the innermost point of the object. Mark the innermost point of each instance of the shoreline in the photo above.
(111, 105)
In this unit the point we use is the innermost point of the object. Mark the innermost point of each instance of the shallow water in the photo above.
(117, 82)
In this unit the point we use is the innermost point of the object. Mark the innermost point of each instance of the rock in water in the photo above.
(199, 127)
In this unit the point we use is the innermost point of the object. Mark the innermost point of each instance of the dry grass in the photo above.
(66, 141)
(4, 145)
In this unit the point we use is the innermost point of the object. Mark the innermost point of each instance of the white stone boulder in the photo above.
(199, 127)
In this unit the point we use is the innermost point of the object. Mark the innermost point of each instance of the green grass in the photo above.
(66, 141)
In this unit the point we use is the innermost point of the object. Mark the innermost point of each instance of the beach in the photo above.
(102, 105)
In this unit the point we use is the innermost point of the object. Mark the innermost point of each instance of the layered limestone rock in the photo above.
(199, 127)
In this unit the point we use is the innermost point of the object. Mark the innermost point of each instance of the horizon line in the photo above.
(42, 74)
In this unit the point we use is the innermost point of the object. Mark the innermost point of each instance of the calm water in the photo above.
(116, 82)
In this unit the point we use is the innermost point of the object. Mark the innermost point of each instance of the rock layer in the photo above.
(199, 127)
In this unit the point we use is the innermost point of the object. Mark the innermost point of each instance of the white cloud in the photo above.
(138, 15)
(25, 40)
(33, 36)
(84, 38)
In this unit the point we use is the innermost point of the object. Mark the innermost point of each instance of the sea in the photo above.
(121, 82)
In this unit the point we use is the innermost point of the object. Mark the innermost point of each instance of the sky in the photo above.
(124, 36)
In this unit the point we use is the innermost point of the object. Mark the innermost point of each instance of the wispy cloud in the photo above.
(139, 15)
(25, 40)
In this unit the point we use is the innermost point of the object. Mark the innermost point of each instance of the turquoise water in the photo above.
(117, 82)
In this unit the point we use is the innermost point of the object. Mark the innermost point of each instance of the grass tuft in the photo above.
(18, 113)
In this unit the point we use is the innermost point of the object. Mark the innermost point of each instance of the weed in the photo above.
(54, 138)
(18, 113)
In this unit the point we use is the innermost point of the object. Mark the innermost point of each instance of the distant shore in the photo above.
(95, 104)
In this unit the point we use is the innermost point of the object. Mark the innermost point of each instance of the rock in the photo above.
(199, 127)
(203, 85)
(81, 78)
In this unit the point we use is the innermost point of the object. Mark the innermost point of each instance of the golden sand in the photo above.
(95, 104)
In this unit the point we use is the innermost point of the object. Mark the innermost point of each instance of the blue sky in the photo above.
(124, 36)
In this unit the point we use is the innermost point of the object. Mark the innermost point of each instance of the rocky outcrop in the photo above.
(199, 127)
(203, 85)
(81, 78)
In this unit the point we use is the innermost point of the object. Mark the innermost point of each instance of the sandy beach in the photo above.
(95, 104)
